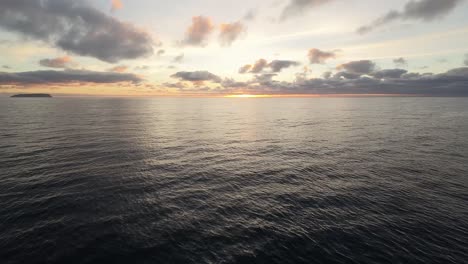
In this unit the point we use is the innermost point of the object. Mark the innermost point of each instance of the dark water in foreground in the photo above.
(343, 180)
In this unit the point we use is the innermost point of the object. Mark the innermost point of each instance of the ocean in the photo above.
(223, 180)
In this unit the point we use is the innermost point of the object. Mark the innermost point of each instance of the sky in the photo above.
(226, 48)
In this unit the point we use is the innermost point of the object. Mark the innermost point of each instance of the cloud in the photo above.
(119, 69)
(6, 67)
(116, 5)
(389, 81)
(327, 75)
(199, 31)
(196, 76)
(259, 66)
(65, 77)
(317, 56)
(466, 60)
(358, 67)
(160, 52)
(61, 62)
(424, 10)
(178, 85)
(230, 33)
(179, 58)
(264, 78)
(389, 73)
(400, 62)
(76, 27)
(279, 65)
(346, 75)
(231, 83)
(245, 68)
(251, 14)
(298, 7)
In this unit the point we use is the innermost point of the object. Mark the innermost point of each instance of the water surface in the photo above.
(298, 180)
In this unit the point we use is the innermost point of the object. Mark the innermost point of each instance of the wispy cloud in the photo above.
(261, 65)
(251, 14)
(61, 62)
(400, 62)
(230, 32)
(299, 7)
(424, 10)
(119, 69)
(179, 58)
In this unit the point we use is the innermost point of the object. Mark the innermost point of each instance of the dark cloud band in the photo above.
(65, 77)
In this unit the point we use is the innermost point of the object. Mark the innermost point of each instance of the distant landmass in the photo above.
(32, 96)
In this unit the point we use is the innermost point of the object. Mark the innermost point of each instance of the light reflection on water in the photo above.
(277, 180)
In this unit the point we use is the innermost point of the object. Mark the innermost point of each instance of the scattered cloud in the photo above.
(199, 31)
(61, 62)
(304, 74)
(400, 62)
(179, 58)
(197, 77)
(6, 67)
(116, 5)
(389, 81)
(119, 69)
(160, 52)
(259, 65)
(279, 65)
(230, 33)
(65, 77)
(264, 78)
(466, 60)
(76, 27)
(317, 56)
(299, 7)
(245, 68)
(424, 10)
(358, 67)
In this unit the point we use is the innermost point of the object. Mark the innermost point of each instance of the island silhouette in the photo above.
(31, 96)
